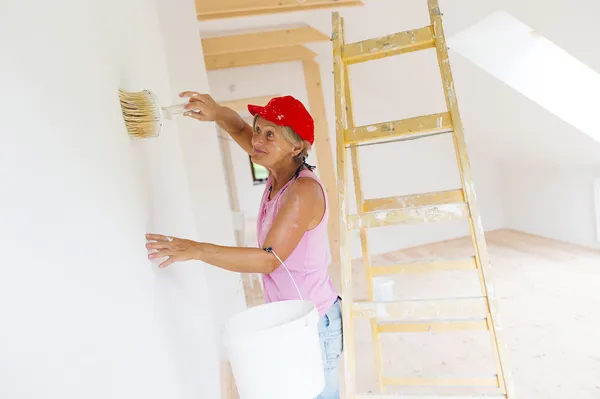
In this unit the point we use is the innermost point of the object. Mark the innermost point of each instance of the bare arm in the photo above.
(236, 259)
(204, 108)
(238, 129)
(302, 207)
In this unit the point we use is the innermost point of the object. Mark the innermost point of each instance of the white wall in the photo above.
(553, 202)
(201, 154)
(249, 193)
(393, 169)
(84, 314)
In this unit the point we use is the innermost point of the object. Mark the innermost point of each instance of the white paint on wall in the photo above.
(557, 203)
(84, 314)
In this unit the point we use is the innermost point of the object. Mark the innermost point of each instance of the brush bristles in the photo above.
(141, 114)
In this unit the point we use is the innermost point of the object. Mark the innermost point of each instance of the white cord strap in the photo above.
(269, 249)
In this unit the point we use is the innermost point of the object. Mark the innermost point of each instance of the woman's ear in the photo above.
(297, 150)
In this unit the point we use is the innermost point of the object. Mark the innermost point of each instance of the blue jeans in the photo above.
(330, 333)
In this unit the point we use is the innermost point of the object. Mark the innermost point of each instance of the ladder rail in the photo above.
(364, 237)
(386, 46)
(420, 126)
(398, 139)
(412, 201)
(342, 173)
(477, 232)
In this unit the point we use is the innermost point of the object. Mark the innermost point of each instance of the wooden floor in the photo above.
(549, 297)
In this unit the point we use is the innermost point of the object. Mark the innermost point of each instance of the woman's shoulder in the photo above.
(304, 188)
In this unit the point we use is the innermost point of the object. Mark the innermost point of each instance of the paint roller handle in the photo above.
(205, 108)
(176, 109)
(201, 106)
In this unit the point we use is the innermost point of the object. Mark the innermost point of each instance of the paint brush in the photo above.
(143, 116)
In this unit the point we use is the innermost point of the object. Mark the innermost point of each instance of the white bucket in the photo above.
(275, 352)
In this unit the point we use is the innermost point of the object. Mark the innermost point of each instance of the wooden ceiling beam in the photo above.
(218, 9)
(262, 40)
(241, 105)
(258, 57)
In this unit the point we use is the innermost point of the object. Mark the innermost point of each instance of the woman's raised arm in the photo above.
(204, 108)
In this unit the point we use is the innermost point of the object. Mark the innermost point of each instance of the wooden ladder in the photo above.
(440, 315)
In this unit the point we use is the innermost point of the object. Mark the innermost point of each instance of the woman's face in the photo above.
(270, 148)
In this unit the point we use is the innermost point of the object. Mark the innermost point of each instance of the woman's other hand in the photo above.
(201, 106)
(174, 249)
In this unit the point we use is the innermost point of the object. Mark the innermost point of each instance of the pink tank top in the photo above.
(308, 263)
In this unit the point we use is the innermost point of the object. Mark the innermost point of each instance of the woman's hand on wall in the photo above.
(235, 259)
(174, 249)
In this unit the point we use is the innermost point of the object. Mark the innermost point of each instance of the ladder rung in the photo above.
(424, 309)
(415, 200)
(425, 396)
(433, 326)
(442, 382)
(420, 125)
(390, 45)
(426, 266)
(434, 213)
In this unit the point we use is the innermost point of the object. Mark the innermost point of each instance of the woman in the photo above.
(292, 220)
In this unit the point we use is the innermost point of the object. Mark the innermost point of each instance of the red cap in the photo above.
(287, 111)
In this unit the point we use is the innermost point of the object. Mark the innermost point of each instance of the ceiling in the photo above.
(498, 120)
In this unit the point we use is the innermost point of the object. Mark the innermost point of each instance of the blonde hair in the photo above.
(291, 137)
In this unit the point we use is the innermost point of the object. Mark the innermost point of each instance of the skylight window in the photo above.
(534, 66)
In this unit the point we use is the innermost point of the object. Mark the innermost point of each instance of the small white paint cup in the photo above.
(383, 289)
